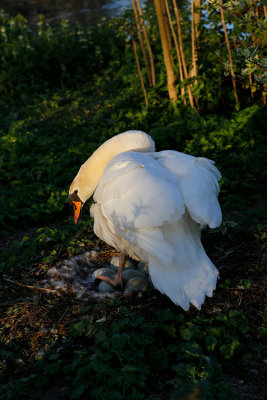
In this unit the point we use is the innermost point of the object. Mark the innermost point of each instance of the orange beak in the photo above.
(77, 209)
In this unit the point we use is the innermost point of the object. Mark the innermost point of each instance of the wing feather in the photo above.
(135, 193)
(198, 179)
(136, 197)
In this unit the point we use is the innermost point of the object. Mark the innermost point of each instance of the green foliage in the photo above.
(247, 29)
(34, 62)
(132, 354)
(236, 145)
(45, 244)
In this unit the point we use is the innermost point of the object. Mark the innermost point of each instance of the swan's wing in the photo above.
(137, 197)
(198, 179)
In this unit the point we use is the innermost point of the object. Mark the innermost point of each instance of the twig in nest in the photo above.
(225, 255)
(62, 316)
(97, 243)
(32, 287)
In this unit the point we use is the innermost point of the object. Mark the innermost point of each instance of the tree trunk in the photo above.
(165, 41)
(195, 33)
(141, 42)
(229, 55)
(256, 10)
(153, 76)
(251, 86)
(177, 49)
(177, 14)
(138, 68)
(197, 19)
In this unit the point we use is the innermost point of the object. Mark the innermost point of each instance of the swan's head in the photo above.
(77, 203)
(80, 190)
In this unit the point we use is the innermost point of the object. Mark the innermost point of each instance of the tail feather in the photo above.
(191, 275)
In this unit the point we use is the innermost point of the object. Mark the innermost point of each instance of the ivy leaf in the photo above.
(264, 77)
(170, 330)
(186, 333)
(211, 342)
(247, 53)
(257, 78)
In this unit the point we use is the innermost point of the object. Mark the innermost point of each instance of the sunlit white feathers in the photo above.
(152, 206)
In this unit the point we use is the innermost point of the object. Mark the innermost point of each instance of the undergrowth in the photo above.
(129, 347)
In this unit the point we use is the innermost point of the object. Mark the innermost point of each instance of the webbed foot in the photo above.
(116, 281)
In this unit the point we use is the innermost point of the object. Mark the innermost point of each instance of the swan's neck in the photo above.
(92, 170)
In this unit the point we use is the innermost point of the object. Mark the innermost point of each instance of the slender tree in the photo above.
(229, 53)
(195, 34)
(151, 57)
(197, 20)
(257, 10)
(251, 86)
(177, 49)
(250, 76)
(193, 42)
(138, 66)
(165, 42)
(177, 15)
(194, 70)
(142, 42)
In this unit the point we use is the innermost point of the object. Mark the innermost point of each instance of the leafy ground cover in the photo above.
(133, 347)
(63, 92)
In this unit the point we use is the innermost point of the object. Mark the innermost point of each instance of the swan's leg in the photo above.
(117, 280)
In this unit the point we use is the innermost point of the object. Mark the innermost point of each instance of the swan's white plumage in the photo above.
(198, 180)
(152, 207)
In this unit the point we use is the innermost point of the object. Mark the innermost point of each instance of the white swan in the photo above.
(151, 206)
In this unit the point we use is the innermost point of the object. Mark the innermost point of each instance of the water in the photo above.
(84, 11)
